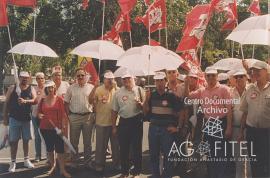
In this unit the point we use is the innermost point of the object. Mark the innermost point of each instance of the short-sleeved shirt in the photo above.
(40, 94)
(256, 104)
(78, 98)
(103, 99)
(215, 102)
(62, 89)
(163, 108)
(125, 102)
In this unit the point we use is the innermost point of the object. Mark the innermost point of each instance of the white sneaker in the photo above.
(12, 167)
(28, 164)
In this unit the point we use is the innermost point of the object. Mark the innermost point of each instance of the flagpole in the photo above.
(34, 34)
(253, 50)
(149, 33)
(159, 36)
(130, 38)
(103, 19)
(166, 34)
(201, 50)
(232, 48)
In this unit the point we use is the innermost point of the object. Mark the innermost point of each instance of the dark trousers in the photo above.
(130, 132)
(221, 168)
(260, 139)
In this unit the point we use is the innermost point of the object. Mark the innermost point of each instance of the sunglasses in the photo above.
(239, 76)
(80, 75)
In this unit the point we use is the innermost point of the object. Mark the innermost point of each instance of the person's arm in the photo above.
(31, 101)
(67, 98)
(243, 108)
(92, 96)
(6, 104)
(146, 107)
(114, 113)
(229, 130)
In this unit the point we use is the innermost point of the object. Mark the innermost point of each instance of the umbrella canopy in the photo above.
(253, 30)
(228, 64)
(122, 70)
(33, 48)
(99, 49)
(149, 58)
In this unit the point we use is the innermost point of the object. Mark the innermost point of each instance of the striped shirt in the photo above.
(77, 97)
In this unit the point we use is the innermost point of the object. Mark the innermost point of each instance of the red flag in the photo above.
(127, 5)
(85, 4)
(254, 7)
(154, 43)
(3, 13)
(122, 23)
(147, 2)
(113, 36)
(23, 3)
(196, 23)
(88, 66)
(157, 14)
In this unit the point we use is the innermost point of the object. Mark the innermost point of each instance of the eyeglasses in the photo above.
(239, 76)
(80, 75)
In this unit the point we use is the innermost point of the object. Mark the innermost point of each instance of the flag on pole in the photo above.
(23, 3)
(122, 23)
(3, 13)
(157, 15)
(154, 43)
(147, 2)
(88, 65)
(85, 4)
(254, 8)
(114, 37)
(196, 22)
(127, 5)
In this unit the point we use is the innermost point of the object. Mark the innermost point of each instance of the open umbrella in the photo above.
(136, 72)
(228, 64)
(253, 30)
(149, 58)
(33, 48)
(99, 49)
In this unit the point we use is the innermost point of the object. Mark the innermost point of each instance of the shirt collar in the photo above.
(266, 85)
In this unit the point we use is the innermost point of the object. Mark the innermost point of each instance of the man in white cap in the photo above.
(101, 97)
(40, 78)
(215, 111)
(162, 107)
(127, 103)
(81, 115)
(223, 78)
(172, 75)
(17, 113)
(240, 77)
(255, 105)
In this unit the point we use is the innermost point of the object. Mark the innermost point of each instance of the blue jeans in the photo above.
(35, 122)
(18, 130)
(160, 140)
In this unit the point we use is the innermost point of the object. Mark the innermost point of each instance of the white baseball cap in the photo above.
(126, 74)
(210, 70)
(49, 84)
(223, 76)
(41, 74)
(24, 74)
(159, 76)
(240, 72)
(260, 65)
(109, 75)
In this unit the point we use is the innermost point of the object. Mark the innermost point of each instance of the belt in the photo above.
(81, 114)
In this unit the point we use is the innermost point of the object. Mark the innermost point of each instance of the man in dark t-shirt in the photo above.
(17, 114)
(162, 108)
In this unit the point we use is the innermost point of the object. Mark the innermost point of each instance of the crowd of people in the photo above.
(237, 103)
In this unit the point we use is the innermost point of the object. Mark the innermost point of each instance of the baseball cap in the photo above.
(223, 76)
(49, 84)
(260, 65)
(210, 70)
(126, 74)
(24, 74)
(109, 75)
(240, 72)
(41, 74)
(159, 76)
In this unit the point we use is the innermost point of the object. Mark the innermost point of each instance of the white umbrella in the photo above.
(228, 64)
(253, 30)
(99, 49)
(136, 72)
(33, 48)
(149, 58)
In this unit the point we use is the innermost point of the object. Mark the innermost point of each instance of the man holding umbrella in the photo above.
(17, 113)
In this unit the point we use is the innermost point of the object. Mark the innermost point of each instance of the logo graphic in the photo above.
(164, 103)
(155, 16)
(213, 127)
(203, 148)
(124, 98)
